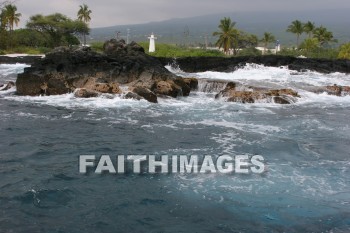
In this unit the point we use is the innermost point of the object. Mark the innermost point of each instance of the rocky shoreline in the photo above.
(30, 59)
(126, 70)
(120, 69)
(229, 64)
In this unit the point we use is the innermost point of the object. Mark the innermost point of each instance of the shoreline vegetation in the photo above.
(45, 32)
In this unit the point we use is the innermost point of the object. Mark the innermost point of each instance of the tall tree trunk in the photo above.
(11, 37)
(297, 41)
(84, 39)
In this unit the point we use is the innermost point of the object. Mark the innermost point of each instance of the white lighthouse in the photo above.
(152, 43)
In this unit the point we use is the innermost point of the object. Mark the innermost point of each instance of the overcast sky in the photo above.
(119, 12)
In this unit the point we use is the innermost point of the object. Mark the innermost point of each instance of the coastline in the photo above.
(20, 58)
(230, 64)
(223, 64)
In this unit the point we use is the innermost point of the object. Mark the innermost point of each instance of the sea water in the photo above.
(305, 188)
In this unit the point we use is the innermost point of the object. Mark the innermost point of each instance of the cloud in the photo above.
(111, 12)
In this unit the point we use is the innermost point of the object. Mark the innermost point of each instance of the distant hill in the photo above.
(194, 29)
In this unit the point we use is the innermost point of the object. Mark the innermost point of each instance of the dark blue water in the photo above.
(306, 187)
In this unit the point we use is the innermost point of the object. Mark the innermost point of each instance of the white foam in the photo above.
(262, 129)
(281, 77)
(7, 69)
(251, 74)
(69, 101)
(277, 76)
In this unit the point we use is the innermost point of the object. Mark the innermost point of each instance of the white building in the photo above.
(152, 43)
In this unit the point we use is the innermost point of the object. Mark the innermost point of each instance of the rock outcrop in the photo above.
(336, 90)
(192, 83)
(85, 93)
(102, 86)
(145, 93)
(235, 93)
(66, 69)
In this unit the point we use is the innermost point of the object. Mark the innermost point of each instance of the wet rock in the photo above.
(233, 93)
(192, 83)
(185, 89)
(132, 95)
(280, 100)
(244, 96)
(167, 88)
(7, 86)
(146, 94)
(282, 92)
(102, 86)
(65, 69)
(336, 90)
(85, 93)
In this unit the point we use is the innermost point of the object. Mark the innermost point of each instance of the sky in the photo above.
(122, 12)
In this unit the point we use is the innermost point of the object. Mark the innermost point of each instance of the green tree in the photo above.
(10, 17)
(228, 35)
(267, 39)
(29, 38)
(84, 15)
(323, 35)
(246, 40)
(344, 51)
(296, 28)
(310, 45)
(59, 28)
(309, 28)
(3, 33)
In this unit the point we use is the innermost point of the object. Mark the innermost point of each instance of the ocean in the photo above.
(305, 188)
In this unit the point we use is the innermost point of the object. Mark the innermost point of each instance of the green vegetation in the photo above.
(84, 16)
(169, 50)
(344, 51)
(58, 29)
(310, 45)
(9, 18)
(296, 28)
(44, 32)
(267, 39)
(97, 46)
(327, 53)
(309, 28)
(323, 35)
(232, 38)
(228, 35)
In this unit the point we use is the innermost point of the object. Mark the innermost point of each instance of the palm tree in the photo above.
(323, 35)
(3, 20)
(84, 15)
(297, 28)
(268, 38)
(309, 28)
(228, 35)
(11, 16)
